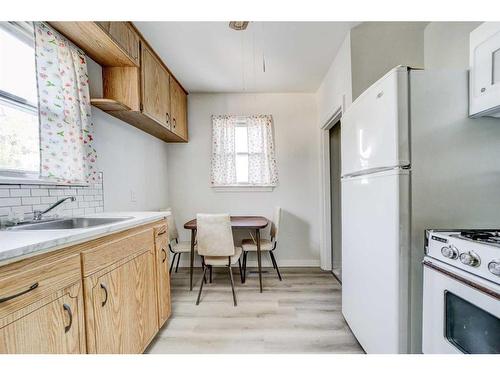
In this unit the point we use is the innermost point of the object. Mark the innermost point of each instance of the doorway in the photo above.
(335, 199)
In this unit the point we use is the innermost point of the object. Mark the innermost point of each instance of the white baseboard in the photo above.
(184, 262)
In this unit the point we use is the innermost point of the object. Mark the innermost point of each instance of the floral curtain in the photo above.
(223, 151)
(66, 131)
(262, 168)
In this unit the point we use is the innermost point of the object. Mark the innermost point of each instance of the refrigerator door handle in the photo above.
(376, 170)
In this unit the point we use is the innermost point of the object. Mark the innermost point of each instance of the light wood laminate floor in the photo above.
(301, 314)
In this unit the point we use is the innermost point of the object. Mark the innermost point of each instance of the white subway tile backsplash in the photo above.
(39, 192)
(6, 202)
(20, 192)
(30, 200)
(48, 199)
(24, 199)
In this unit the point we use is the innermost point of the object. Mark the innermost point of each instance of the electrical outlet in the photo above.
(133, 196)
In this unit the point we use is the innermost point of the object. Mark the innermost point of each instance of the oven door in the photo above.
(459, 317)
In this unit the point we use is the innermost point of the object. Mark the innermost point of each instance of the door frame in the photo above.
(325, 198)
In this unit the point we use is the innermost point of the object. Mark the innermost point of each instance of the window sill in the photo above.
(34, 181)
(242, 188)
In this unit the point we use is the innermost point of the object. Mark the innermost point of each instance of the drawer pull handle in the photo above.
(106, 295)
(70, 314)
(165, 257)
(159, 234)
(33, 287)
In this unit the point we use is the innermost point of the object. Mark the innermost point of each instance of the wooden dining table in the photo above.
(255, 223)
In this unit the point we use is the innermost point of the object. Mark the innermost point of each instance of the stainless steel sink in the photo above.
(72, 223)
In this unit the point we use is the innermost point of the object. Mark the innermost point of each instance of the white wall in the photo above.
(297, 150)
(336, 88)
(131, 160)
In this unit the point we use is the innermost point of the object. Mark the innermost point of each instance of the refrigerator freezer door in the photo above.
(374, 129)
(375, 229)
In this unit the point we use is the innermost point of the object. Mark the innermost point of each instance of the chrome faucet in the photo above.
(37, 215)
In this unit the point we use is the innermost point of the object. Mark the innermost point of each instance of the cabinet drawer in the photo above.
(102, 256)
(19, 289)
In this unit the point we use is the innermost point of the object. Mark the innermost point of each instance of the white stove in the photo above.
(474, 251)
(461, 306)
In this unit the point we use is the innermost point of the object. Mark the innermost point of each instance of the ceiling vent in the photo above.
(238, 25)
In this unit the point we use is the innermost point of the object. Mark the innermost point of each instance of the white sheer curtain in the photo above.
(223, 151)
(262, 168)
(66, 130)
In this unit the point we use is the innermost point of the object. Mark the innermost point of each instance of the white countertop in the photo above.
(19, 244)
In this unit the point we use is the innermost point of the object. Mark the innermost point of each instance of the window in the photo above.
(19, 130)
(243, 152)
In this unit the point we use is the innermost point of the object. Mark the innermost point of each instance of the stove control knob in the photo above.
(450, 252)
(494, 267)
(470, 259)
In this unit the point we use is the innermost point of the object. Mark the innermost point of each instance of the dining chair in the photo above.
(216, 246)
(175, 246)
(250, 244)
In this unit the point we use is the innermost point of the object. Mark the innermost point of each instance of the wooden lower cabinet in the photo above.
(54, 325)
(162, 274)
(108, 295)
(123, 305)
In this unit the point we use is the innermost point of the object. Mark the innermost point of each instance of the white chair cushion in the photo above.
(249, 245)
(182, 247)
(222, 261)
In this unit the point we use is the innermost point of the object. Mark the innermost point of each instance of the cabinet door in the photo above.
(50, 326)
(179, 109)
(124, 307)
(155, 88)
(124, 35)
(162, 275)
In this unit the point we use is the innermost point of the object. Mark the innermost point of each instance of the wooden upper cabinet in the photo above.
(155, 88)
(138, 88)
(108, 43)
(178, 100)
(124, 35)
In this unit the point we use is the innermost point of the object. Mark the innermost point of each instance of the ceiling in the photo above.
(211, 57)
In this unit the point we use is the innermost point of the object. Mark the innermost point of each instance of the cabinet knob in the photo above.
(168, 118)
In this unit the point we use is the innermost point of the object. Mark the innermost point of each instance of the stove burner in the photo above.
(482, 236)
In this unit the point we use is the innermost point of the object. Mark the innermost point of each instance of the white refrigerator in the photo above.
(376, 174)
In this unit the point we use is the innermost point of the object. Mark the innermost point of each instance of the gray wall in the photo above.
(377, 47)
(446, 44)
(297, 153)
(455, 160)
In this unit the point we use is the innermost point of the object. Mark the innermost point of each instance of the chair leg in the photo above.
(201, 286)
(241, 271)
(210, 274)
(177, 266)
(232, 285)
(172, 264)
(202, 268)
(273, 259)
(244, 267)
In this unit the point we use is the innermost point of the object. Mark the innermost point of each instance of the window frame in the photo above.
(242, 186)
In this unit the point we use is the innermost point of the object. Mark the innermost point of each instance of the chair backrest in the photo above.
(275, 224)
(172, 228)
(214, 235)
